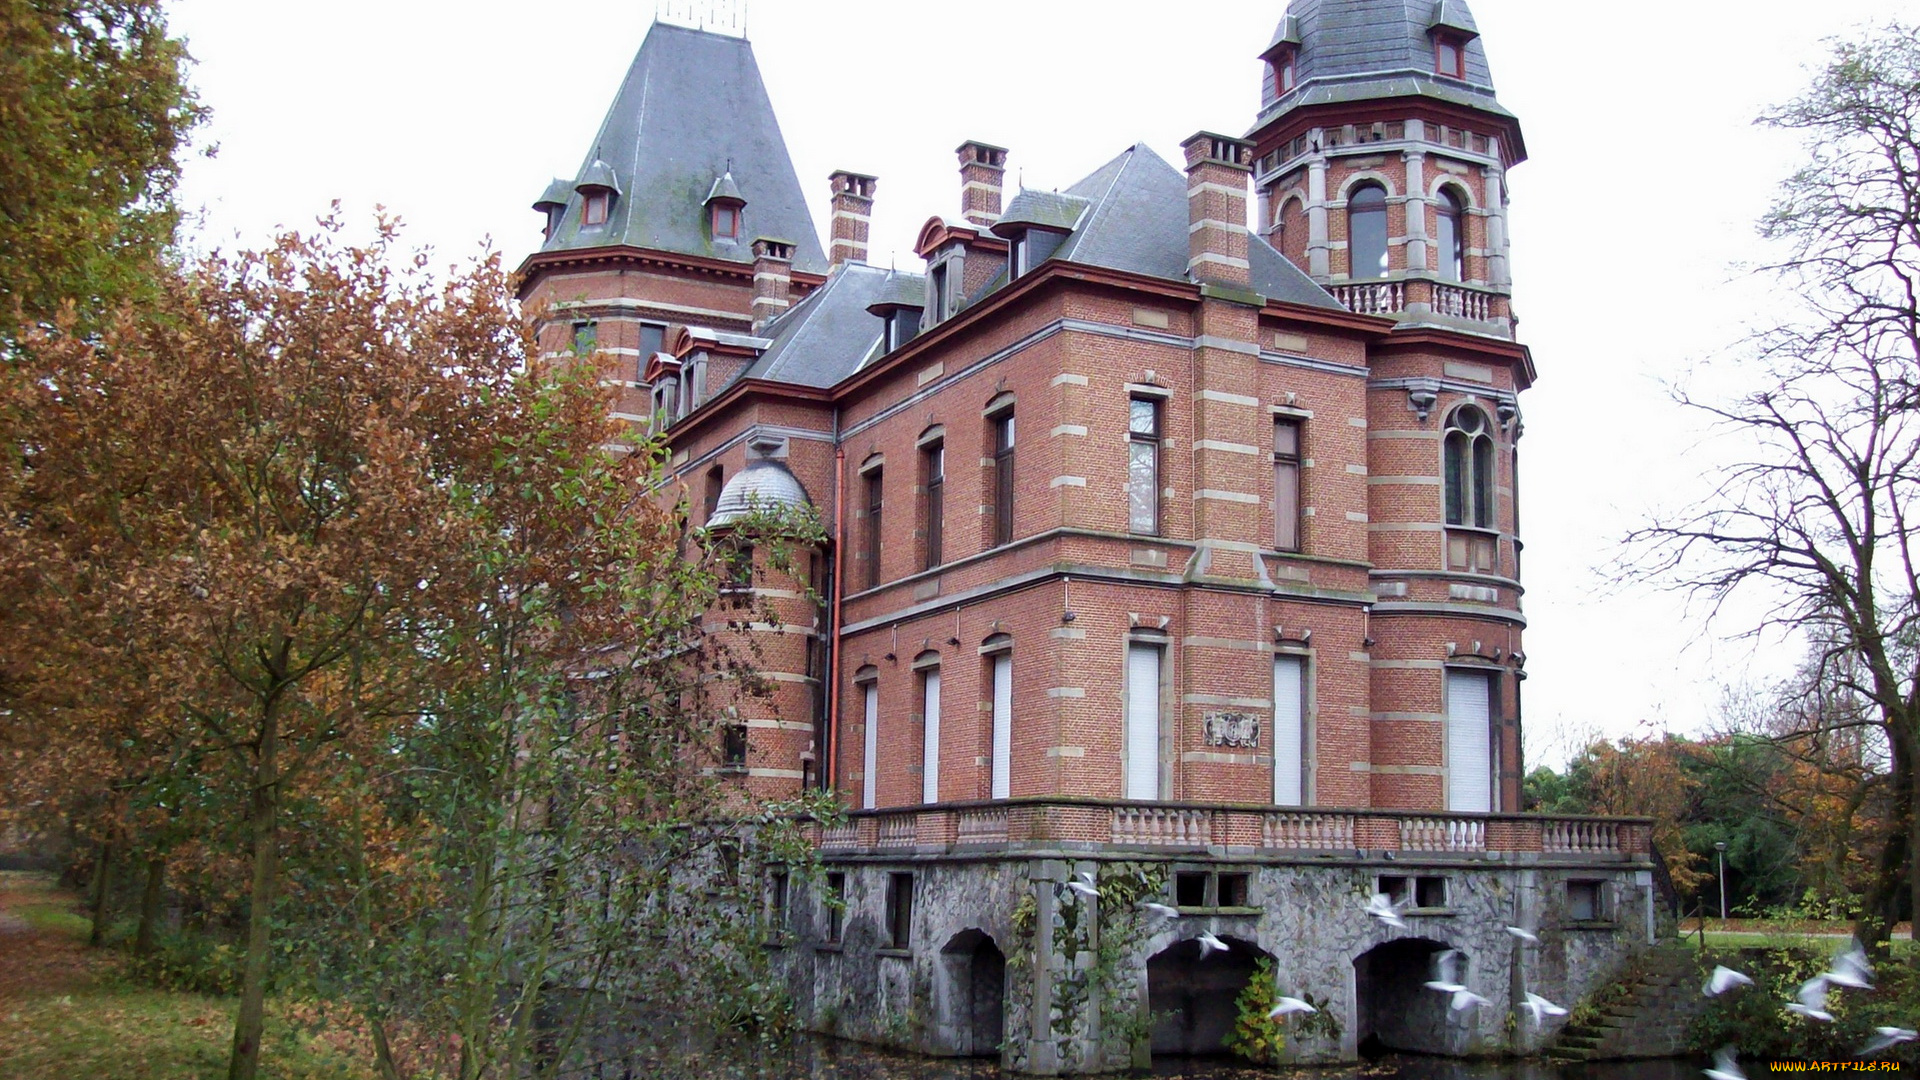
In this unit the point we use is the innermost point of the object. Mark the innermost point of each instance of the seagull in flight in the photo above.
(1724, 979)
(1161, 910)
(1210, 944)
(1812, 1002)
(1725, 1066)
(1383, 908)
(1446, 973)
(1541, 1008)
(1464, 999)
(1082, 883)
(1888, 1036)
(1288, 1006)
(1524, 934)
(1850, 969)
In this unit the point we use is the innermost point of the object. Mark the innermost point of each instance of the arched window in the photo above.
(1469, 465)
(1450, 238)
(1367, 231)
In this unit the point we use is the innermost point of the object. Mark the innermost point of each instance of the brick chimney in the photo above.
(772, 280)
(852, 215)
(1218, 168)
(983, 168)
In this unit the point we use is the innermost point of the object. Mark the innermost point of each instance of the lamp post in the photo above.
(1720, 846)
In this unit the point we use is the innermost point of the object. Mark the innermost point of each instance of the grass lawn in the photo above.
(67, 1013)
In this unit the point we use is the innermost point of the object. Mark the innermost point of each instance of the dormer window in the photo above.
(724, 203)
(726, 222)
(938, 292)
(594, 210)
(1018, 252)
(902, 325)
(1449, 56)
(1280, 72)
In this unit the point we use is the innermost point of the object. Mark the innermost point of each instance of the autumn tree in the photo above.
(96, 110)
(1819, 514)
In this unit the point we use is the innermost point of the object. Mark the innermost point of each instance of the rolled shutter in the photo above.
(1289, 732)
(870, 756)
(1469, 743)
(1002, 784)
(1143, 722)
(930, 755)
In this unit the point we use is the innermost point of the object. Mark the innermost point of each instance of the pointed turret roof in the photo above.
(691, 108)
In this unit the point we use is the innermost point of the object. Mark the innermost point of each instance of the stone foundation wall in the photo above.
(1077, 995)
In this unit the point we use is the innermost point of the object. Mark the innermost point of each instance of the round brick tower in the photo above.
(1380, 162)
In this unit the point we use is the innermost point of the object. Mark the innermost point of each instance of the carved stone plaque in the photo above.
(1232, 729)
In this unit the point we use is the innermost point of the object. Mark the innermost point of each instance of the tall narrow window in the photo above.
(726, 221)
(899, 910)
(1000, 779)
(1143, 721)
(933, 463)
(1018, 250)
(1450, 237)
(716, 482)
(1470, 735)
(1289, 731)
(870, 752)
(1286, 484)
(938, 296)
(1449, 58)
(1469, 469)
(875, 502)
(1003, 478)
(653, 338)
(1367, 231)
(836, 905)
(1143, 466)
(930, 749)
(594, 211)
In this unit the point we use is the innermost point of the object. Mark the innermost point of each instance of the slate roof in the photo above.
(831, 334)
(691, 108)
(1357, 50)
(764, 485)
(1046, 209)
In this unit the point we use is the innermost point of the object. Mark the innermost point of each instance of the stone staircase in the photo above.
(1648, 1020)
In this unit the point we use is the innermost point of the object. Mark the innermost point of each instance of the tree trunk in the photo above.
(102, 894)
(150, 899)
(1879, 908)
(382, 1050)
(251, 1021)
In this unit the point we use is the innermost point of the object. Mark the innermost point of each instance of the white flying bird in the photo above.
(1082, 883)
(1725, 1066)
(1161, 910)
(1541, 1008)
(1464, 999)
(1210, 944)
(1850, 969)
(1724, 979)
(1813, 1000)
(1383, 908)
(1288, 1006)
(1446, 972)
(1888, 1036)
(1524, 934)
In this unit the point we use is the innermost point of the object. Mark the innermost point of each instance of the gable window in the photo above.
(902, 325)
(1367, 231)
(875, 502)
(716, 480)
(1449, 57)
(653, 338)
(594, 210)
(937, 292)
(1286, 484)
(1002, 477)
(933, 468)
(1143, 466)
(1018, 251)
(1449, 237)
(726, 221)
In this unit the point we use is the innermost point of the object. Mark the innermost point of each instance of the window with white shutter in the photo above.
(869, 759)
(1469, 742)
(930, 754)
(1002, 780)
(1289, 731)
(1143, 721)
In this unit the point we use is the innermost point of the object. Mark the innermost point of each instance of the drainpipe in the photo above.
(834, 603)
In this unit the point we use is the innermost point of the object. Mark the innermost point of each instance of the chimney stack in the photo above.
(772, 280)
(852, 216)
(1218, 169)
(983, 169)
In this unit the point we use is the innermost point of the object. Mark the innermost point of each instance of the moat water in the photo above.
(822, 1058)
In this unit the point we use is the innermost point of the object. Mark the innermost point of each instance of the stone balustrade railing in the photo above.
(1060, 823)
(1417, 294)
(1372, 298)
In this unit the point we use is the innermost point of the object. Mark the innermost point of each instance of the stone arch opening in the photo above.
(974, 1007)
(1393, 1009)
(1192, 1001)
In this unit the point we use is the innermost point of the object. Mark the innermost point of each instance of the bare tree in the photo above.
(1819, 517)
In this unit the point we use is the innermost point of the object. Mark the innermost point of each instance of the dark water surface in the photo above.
(822, 1058)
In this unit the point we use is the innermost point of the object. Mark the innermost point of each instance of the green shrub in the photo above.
(189, 962)
(1754, 1018)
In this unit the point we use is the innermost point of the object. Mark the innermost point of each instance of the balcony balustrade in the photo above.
(1399, 296)
(1053, 824)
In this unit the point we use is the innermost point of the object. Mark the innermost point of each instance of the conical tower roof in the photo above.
(691, 108)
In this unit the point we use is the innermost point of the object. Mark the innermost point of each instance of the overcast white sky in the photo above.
(1628, 221)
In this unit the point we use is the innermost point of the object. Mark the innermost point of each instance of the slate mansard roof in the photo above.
(691, 109)
(1358, 50)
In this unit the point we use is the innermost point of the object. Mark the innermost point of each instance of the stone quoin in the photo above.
(1173, 541)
